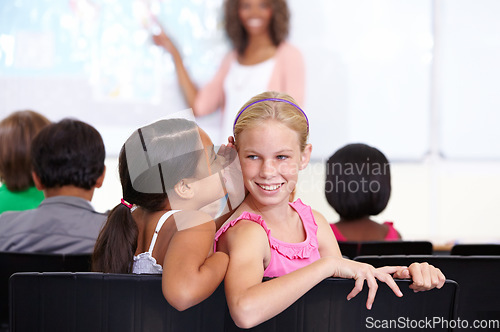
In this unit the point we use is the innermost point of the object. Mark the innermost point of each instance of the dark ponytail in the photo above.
(116, 244)
(170, 144)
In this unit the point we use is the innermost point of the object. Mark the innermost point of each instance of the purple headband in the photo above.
(272, 99)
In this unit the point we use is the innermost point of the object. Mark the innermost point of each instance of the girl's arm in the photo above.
(189, 276)
(207, 99)
(250, 300)
(327, 242)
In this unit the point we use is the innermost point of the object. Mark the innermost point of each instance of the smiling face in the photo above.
(255, 15)
(270, 159)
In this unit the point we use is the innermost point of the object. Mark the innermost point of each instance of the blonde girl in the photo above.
(267, 236)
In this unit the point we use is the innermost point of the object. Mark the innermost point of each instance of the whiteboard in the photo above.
(468, 79)
(378, 72)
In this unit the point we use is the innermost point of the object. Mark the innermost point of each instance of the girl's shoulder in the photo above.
(245, 220)
(320, 218)
(248, 226)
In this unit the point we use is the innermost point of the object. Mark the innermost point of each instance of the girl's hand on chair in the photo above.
(361, 272)
(424, 276)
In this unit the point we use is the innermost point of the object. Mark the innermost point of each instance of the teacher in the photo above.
(261, 60)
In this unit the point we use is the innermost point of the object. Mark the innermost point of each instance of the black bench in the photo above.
(115, 302)
(352, 249)
(476, 250)
(477, 276)
(12, 262)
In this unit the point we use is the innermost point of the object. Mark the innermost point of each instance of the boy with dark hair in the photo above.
(68, 164)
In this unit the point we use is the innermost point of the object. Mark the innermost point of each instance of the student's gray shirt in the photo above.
(60, 224)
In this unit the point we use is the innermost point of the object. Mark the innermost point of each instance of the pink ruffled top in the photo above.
(392, 233)
(285, 257)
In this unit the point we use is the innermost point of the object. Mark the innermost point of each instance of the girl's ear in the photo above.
(305, 156)
(183, 189)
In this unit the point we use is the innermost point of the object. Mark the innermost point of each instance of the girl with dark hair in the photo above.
(169, 172)
(358, 186)
(261, 60)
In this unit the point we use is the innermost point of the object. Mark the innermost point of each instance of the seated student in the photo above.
(268, 236)
(169, 173)
(358, 186)
(18, 192)
(68, 164)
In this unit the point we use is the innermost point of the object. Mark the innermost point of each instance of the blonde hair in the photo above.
(259, 109)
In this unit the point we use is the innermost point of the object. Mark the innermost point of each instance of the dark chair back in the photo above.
(325, 308)
(110, 302)
(476, 250)
(12, 262)
(349, 249)
(477, 278)
(104, 302)
(352, 249)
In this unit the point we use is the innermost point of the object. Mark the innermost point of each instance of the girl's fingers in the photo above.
(416, 276)
(384, 274)
(372, 291)
(435, 278)
(358, 287)
(426, 273)
(441, 278)
(391, 283)
(391, 269)
(404, 273)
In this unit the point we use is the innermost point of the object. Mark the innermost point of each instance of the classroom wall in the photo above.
(418, 79)
(413, 78)
(446, 203)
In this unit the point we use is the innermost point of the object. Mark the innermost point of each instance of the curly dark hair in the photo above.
(236, 32)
